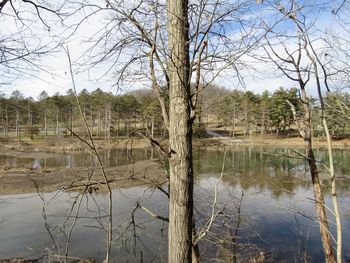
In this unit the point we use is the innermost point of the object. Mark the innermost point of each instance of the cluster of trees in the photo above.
(254, 112)
(272, 113)
(239, 112)
(107, 115)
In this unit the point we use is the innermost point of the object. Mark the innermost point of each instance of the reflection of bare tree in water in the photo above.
(217, 221)
(61, 234)
(219, 235)
(223, 232)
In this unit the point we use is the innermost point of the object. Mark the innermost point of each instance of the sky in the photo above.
(257, 76)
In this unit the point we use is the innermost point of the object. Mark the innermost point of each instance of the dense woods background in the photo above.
(234, 112)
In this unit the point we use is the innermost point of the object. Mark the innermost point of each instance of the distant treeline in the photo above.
(272, 112)
(238, 113)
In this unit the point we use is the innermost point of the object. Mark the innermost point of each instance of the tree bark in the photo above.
(108, 122)
(98, 124)
(234, 121)
(263, 123)
(57, 123)
(180, 135)
(91, 121)
(334, 193)
(71, 120)
(318, 194)
(17, 123)
(30, 124)
(45, 123)
(320, 206)
(152, 126)
(7, 123)
(118, 121)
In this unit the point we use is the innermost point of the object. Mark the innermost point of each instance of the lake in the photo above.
(264, 204)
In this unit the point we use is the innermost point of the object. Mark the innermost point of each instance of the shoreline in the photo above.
(16, 180)
(53, 146)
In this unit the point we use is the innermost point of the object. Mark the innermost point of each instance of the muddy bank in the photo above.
(11, 151)
(71, 144)
(32, 260)
(89, 178)
(270, 142)
(52, 146)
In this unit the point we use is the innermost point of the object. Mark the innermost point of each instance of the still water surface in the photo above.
(264, 198)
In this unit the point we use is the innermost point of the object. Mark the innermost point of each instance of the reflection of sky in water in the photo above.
(272, 223)
(22, 230)
(277, 210)
(239, 158)
(36, 164)
(284, 225)
(110, 158)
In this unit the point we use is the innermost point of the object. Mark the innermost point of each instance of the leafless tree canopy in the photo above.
(26, 38)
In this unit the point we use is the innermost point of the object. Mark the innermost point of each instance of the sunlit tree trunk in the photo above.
(98, 123)
(45, 123)
(118, 121)
(263, 117)
(3, 123)
(152, 126)
(246, 125)
(30, 124)
(57, 122)
(91, 120)
(17, 119)
(320, 203)
(180, 136)
(71, 119)
(6, 123)
(108, 123)
(234, 121)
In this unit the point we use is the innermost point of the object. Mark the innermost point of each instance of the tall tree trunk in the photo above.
(263, 123)
(180, 136)
(108, 122)
(234, 121)
(118, 121)
(72, 119)
(57, 122)
(3, 123)
(318, 194)
(334, 192)
(30, 124)
(245, 123)
(7, 123)
(45, 123)
(320, 205)
(17, 119)
(126, 130)
(98, 124)
(200, 115)
(152, 126)
(339, 243)
(92, 121)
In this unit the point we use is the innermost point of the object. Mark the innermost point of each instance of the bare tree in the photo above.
(180, 135)
(93, 148)
(24, 41)
(168, 47)
(301, 64)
